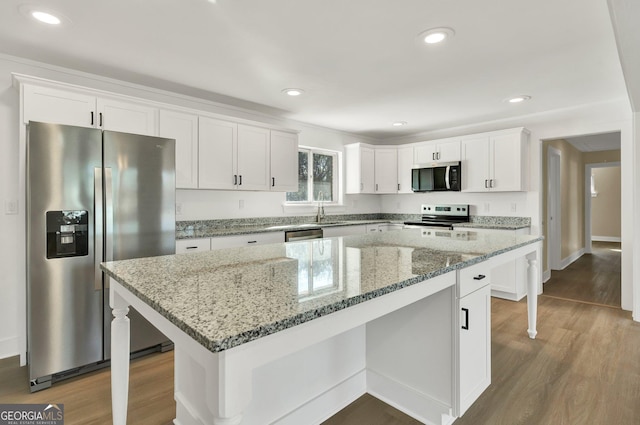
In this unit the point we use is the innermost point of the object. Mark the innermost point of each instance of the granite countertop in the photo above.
(228, 297)
(245, 229)
(497, 226)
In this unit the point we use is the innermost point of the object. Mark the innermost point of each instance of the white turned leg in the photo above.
(532, 293)
(119, 359)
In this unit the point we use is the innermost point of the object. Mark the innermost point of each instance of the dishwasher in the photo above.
(303, 234)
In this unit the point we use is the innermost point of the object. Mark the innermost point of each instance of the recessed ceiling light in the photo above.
(519, 98)
(45, 17)
(293, 92)
(436, 35)
(43, 14)
(399, 123)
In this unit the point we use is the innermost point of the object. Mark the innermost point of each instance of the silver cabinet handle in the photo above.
(191, 247)
(376, 187)
(479, 277)
(252, 241)
(235, 179)
(490, 182)
(398, 186)
(100, 115)
(98, 222)
(433, 156)
(92, 118)
(240, 176)
(273, 181)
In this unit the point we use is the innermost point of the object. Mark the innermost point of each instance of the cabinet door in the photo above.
(367, 170)
(475, 346)
(425, 153)
(253, 158)
(184, 128)
(60, 107)
(116, 115)
(386, 170)
(405, 164)
(217, 154)
(475, 165)
(449, 151)
(506, 163)
(284, 161)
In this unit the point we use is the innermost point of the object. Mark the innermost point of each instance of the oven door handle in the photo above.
(446, 177)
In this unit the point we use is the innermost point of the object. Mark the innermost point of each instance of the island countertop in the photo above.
(228, 297)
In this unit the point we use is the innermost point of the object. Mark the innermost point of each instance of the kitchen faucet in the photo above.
(320, 214)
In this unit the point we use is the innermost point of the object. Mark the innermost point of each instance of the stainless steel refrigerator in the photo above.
(92, 196)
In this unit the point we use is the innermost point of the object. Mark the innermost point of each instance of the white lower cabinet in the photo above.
(335, 231)
(184, 246)
(474, 343)
(237, 241)
(508, 280)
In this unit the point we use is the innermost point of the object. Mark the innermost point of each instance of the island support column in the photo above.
(120, 343)
(532, 293)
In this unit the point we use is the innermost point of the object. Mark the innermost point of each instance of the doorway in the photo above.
(569, 202)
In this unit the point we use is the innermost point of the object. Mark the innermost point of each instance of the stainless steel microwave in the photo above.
(440, 177)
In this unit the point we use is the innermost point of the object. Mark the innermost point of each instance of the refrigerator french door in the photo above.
(92, 196)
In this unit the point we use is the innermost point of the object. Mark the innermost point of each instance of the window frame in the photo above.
(335, 184)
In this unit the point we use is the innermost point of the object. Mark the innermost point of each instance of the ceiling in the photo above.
(596, 142)
(358, 61)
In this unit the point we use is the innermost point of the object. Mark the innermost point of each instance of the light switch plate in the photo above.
(11, 207)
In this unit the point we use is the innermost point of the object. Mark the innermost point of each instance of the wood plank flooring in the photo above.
(593, 278)
(583, 369)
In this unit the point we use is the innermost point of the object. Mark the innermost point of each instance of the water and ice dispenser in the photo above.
(67, 234)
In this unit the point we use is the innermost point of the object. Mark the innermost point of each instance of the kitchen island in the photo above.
(291, 333)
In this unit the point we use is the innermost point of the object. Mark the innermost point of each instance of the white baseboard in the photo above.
(327, 404)
(606, 239)
(571, 258)
(9, 347)
(415, 404)
(546, 276)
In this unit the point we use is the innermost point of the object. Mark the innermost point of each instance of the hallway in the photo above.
(593, 278)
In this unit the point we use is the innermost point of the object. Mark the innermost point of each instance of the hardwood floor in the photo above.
(583, 369)
(593, 278)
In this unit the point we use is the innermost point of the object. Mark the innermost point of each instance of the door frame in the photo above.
(588, 168)
(554, 208)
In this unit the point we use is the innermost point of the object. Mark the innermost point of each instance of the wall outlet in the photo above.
(11, 206)
(241, 204)
(178, 208)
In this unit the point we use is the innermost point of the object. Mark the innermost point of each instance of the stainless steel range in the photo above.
(441, 216)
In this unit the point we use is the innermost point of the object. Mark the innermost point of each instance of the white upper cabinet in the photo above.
(495, 162)
(386, 170)
(284, 161)
(46, 104)
(405, 164)
(217, 146)
(182, 127)
(253, 158)
(360, 168)
(435, 151)
(127, 117)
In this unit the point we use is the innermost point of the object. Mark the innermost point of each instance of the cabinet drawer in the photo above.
(251, 239)
(193, 245)
(473, 278)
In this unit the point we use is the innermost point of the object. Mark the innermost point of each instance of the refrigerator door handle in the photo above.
(98, 221)
(108, 217)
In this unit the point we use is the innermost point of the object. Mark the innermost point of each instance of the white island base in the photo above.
(402, 347)
(305, 374)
